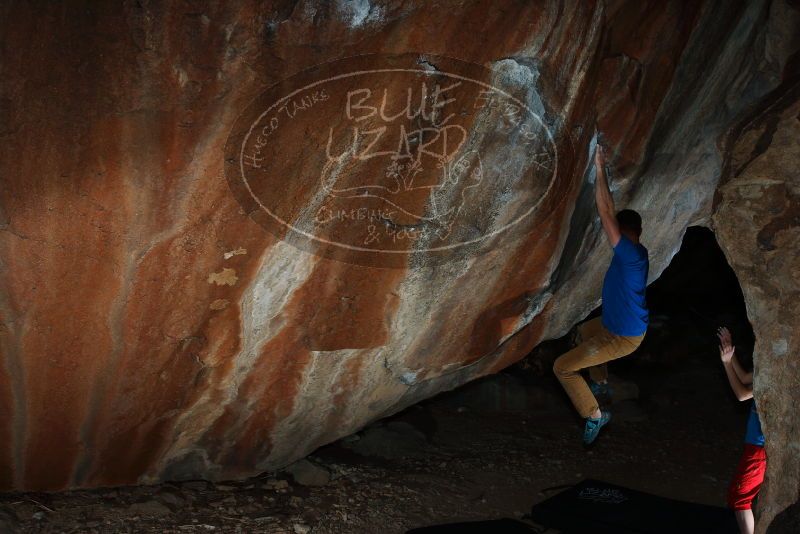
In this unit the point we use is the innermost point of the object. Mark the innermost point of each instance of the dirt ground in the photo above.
(492, 449)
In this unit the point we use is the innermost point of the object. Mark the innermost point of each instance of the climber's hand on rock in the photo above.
(599, 157)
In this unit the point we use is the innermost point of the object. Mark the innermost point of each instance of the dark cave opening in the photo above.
(697, 293)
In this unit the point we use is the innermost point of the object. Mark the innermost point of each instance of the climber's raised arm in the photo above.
(604, 200)
(726, 342)
(739, 384)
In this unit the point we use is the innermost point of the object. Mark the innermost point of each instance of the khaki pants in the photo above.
(596, 347)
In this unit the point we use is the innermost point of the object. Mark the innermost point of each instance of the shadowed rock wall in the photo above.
(757, 220)
(150, 329)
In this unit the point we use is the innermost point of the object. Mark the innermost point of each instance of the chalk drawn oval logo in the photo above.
(372, 159)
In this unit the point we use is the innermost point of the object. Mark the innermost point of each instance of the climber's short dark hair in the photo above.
(630, 220)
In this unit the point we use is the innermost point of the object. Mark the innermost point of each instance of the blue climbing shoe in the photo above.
(593, 426)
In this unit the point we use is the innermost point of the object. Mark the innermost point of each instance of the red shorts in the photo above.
(748, 478)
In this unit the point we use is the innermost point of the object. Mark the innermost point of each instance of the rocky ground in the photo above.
(491, 449)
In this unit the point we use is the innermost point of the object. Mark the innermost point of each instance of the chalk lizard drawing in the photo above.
(400, 186)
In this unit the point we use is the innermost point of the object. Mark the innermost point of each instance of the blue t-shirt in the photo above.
(624, 307)
(754, 435)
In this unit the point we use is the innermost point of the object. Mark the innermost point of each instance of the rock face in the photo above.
(757, 220)
(151, 328)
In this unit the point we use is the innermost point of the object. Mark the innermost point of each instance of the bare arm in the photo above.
(604, 200)
(742, 390)
(725, 340)
(744, 376)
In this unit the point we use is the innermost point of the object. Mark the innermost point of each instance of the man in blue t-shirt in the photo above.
(623, 324)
